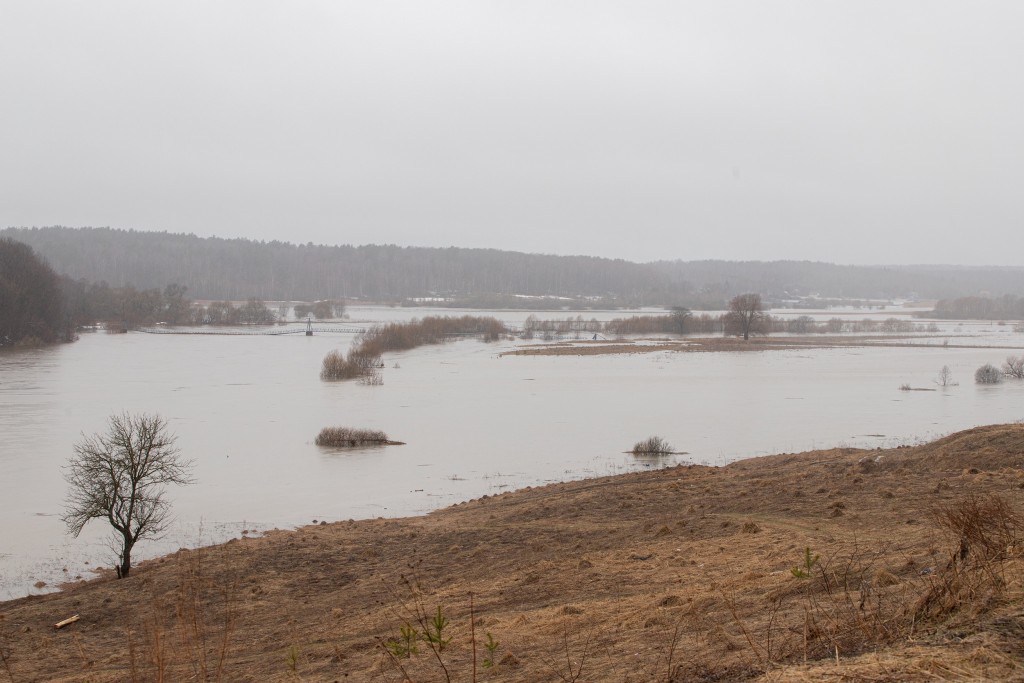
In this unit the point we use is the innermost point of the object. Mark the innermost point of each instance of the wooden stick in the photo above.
(69, 620)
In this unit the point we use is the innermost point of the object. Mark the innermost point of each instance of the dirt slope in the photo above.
(670, 575)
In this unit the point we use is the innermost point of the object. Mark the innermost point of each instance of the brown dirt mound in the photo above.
(985, 448)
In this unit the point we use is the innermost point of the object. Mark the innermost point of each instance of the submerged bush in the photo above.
(652, 446)
(988, 374)
(335, 367)
(346, 437)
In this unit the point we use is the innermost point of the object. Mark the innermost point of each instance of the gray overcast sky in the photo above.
(852, 132)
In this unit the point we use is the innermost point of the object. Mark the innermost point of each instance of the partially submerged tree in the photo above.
(680, 316)
(945, 378)
(746, 316)
(120, 476)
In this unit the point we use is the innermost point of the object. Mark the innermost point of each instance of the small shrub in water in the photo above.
(988, 374)
(345, 437)
(335, 367)
(652, 446)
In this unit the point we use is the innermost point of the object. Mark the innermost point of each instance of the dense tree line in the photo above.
(214, 268)
(31, 305)
(1007, 307)
(88, 304)
(682, 322)
(779, 281)
(235, 269)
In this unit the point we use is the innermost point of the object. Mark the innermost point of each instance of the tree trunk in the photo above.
(126, 560)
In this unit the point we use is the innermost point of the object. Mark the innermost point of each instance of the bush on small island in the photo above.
(652, 446)
(346, 437)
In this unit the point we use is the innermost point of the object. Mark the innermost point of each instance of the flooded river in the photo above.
(247, 408)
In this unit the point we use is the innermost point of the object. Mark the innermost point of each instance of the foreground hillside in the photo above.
(692, 573)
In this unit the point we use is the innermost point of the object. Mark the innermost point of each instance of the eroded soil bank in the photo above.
(678, 574)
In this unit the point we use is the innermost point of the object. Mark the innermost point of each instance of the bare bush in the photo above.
(655, 445)
(987, 532)
(945, 378)
(988, 374)
(372, 378)
(346, 437)
(337, 367)
(1014, 366)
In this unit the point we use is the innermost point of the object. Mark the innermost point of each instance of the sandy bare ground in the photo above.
(723, 344)
(677, 574)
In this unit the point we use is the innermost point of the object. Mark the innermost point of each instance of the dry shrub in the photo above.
(187, 633)
(987, 532)
(655, 445)
(346, 437)
(838, 604)
(336, 367)
(372, 378)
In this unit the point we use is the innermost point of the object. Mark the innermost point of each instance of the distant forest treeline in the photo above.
(1007, 307)
(238, 269)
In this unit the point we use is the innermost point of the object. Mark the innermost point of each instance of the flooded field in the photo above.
(246, 410)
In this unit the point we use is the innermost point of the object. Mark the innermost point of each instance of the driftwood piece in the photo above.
(69, 620)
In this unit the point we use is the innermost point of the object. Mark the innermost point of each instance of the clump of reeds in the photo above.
(652, 446)
(346, 437)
